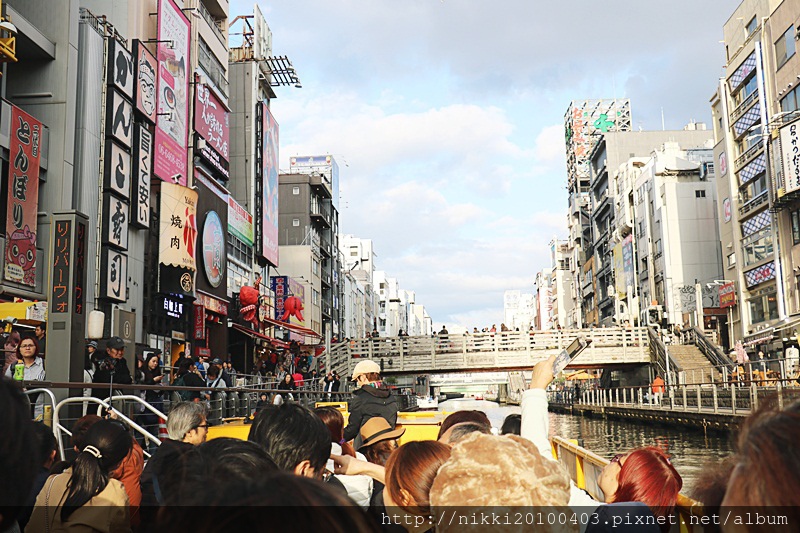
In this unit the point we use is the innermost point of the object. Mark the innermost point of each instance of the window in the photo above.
(751, 27)
(315, 296)
(699, 194)
(731, 260)
(315, 266)
(296, 222)
(239, 251)
(784, 47)
(354, 251)
(757, 246)
(790, 101)
(763, 308)
(796, 227)
(295, 190)
(658, 247)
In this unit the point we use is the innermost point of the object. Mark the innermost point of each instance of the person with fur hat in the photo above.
(488, 471)
(369, 400)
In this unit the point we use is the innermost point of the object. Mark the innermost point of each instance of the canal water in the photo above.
(691, 452)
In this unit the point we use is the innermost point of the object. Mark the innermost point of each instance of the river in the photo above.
(691, 452)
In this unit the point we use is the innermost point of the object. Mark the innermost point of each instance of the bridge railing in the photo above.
(513, 349)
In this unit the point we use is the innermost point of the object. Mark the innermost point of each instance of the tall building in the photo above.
(321, 219)
(755, 111)
(359, 261)
(563, 286)
(606, 161)
(518, 310)
(585, 122)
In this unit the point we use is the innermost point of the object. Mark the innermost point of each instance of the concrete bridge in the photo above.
(481, 352)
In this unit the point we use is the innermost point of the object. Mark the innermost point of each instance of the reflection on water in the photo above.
(690, 451)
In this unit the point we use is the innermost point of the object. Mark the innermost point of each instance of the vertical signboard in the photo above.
(240, 222)
(790, 152)
(289, 297)
(171, 137)
(23, 197)
(627, 262)
(120, 68)
(118, 170)
(115, 222)
(727, 295)
(199, 322)
(269, 175)
(62, 259)
(140, 186)
(211, 124)
(113, 285)
(119, 118)
(178, 226)
(145, 82)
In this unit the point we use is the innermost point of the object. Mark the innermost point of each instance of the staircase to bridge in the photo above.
(481, 352)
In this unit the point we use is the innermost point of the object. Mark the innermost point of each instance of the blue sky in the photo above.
(446, 118)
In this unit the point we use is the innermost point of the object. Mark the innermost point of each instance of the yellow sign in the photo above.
(178, 224)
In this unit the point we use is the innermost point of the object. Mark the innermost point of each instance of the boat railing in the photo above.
(584, 468)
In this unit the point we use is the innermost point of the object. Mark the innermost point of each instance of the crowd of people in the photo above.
(307, 470)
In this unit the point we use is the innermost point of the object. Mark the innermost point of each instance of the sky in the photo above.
(446, 118)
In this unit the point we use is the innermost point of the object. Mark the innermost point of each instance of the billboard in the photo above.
(727, 295)
(211, 123)
(325, 165)
(627, 262)
(23, 197)
(269, 177)
(289, 298)
(171, 138)
(240, 222)
(178, 226)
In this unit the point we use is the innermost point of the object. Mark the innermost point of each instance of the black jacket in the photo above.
(108, 367)
(368, 402)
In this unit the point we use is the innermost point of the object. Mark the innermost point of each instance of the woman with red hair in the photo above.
(644, 476)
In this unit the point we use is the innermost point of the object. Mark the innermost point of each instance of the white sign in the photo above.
(790, 152)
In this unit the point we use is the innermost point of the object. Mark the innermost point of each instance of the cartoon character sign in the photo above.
(21, 251)
(293, 306)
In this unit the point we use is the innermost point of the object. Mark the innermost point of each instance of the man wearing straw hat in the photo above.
(369, 400)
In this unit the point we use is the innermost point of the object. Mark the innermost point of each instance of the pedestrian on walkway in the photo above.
(657, 388)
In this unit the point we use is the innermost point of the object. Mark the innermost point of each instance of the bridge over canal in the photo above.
(481, 352)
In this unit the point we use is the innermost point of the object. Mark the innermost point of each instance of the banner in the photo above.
(727, 295)
(178, 226)
(627, 262)
(145, 82)
(269, 175)
(790, 152)
(289, 297)
(240, 222)
(23, 197)
(171, 139)
(199, 322)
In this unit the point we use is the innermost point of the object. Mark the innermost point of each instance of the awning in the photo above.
(257, 335)
(292, 327)
(762, 337)
(30, 313)
(789, 328)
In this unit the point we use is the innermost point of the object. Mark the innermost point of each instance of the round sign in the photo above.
(726, 208)
(214, 249)
(186, 282)
(723, 164)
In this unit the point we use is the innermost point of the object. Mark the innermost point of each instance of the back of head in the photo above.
(647, 476)
(488, 470)
(46, 444)
(79, 429)
(463, 416)
(334, 421)
(412, 468)
(512, 425)
(292, 434)
(106, 444)
(379, 452)
(767, 470)
(17, 465)
(233, 461)
(458, 432)
(183, 418)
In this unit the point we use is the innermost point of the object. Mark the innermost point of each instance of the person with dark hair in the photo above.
(113, 368)
(18, 466)
(371, 399)
(286, 384)
(294, 437)
(359, 488)
(86, 494)
(511, 425)
(28, 353)
(766, 468)
(463, 416)
(10, 343)
(458, 432)
(41, 338)
(46, 453)
(259, 504)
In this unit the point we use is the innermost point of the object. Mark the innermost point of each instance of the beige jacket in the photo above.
(106, 512)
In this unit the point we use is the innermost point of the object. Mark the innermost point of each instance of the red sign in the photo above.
(727, 295)
(202, 352)
(212, 304)
(211, 120)
(23, 197)
(199, 322)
